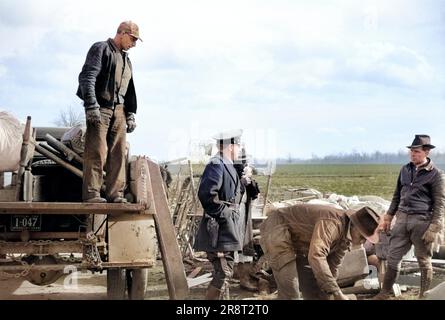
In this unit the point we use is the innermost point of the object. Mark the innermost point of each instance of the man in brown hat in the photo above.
(107, 90)
(418, 204)
(305, 244)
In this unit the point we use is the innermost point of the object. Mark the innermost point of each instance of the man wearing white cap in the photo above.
(107, 90)
(305, 244)
(220, 232)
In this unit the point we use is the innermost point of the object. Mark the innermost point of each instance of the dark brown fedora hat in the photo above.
(421, 140)
(366, 220)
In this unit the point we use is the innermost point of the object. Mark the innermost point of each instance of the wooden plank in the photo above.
(194, 273)
(59, 146)
(69, 208)
(269, 180)
(205, 278)
(171, 254)
(35, 235)
(58, 160)
(26, 154)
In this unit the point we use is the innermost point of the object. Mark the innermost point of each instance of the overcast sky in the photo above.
(300, 77)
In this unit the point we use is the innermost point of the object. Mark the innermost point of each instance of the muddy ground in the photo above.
(88, 286)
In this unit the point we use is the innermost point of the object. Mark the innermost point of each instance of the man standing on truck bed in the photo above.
(107, 89)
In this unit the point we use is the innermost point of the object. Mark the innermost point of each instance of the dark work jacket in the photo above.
(220, 183)
(96, 80)
(419, 192)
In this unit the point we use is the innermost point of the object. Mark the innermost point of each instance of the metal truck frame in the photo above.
(45, 230)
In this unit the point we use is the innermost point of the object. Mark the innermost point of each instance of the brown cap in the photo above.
(129, 27)
(366, 220)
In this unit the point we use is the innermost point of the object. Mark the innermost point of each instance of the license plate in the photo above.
(32, 222)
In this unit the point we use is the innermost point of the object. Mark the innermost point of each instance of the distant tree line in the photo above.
(376, 157)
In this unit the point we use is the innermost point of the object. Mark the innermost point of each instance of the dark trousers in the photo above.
(105, 148)
(308, 284)
(223, 263)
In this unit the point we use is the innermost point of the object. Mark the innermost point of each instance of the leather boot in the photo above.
(213, 293)
(245, 280)
(95, 200)
(388, 282)
(120, 200)
(426, 276)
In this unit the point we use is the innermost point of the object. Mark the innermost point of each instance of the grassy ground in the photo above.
(348, 180)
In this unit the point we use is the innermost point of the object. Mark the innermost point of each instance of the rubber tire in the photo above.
(137, 283)
(116, 283)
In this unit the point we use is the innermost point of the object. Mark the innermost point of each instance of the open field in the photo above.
(346, 179)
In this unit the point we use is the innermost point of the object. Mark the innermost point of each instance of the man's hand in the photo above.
(92, 116)
(339, 295)
(247, 174)
(431, 234)
(385, 223)
(131, 122)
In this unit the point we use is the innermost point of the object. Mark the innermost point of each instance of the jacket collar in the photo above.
(113, 46)
(428, 166)
(228, 164)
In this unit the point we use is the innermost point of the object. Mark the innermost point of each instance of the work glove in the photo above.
(131, 122)
(247, 174)
(385, 223)
(92, 115)
(431, 234)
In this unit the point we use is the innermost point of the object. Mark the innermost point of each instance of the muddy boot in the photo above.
(426, 276)
(213, 293)
(97, 199)
(248, 283)
(245, 279)
(388, 282)
(120, 200)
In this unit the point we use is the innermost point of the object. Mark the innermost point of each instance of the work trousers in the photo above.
(408, 230)
(223, 263)
(296, 276)
(105, 149)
